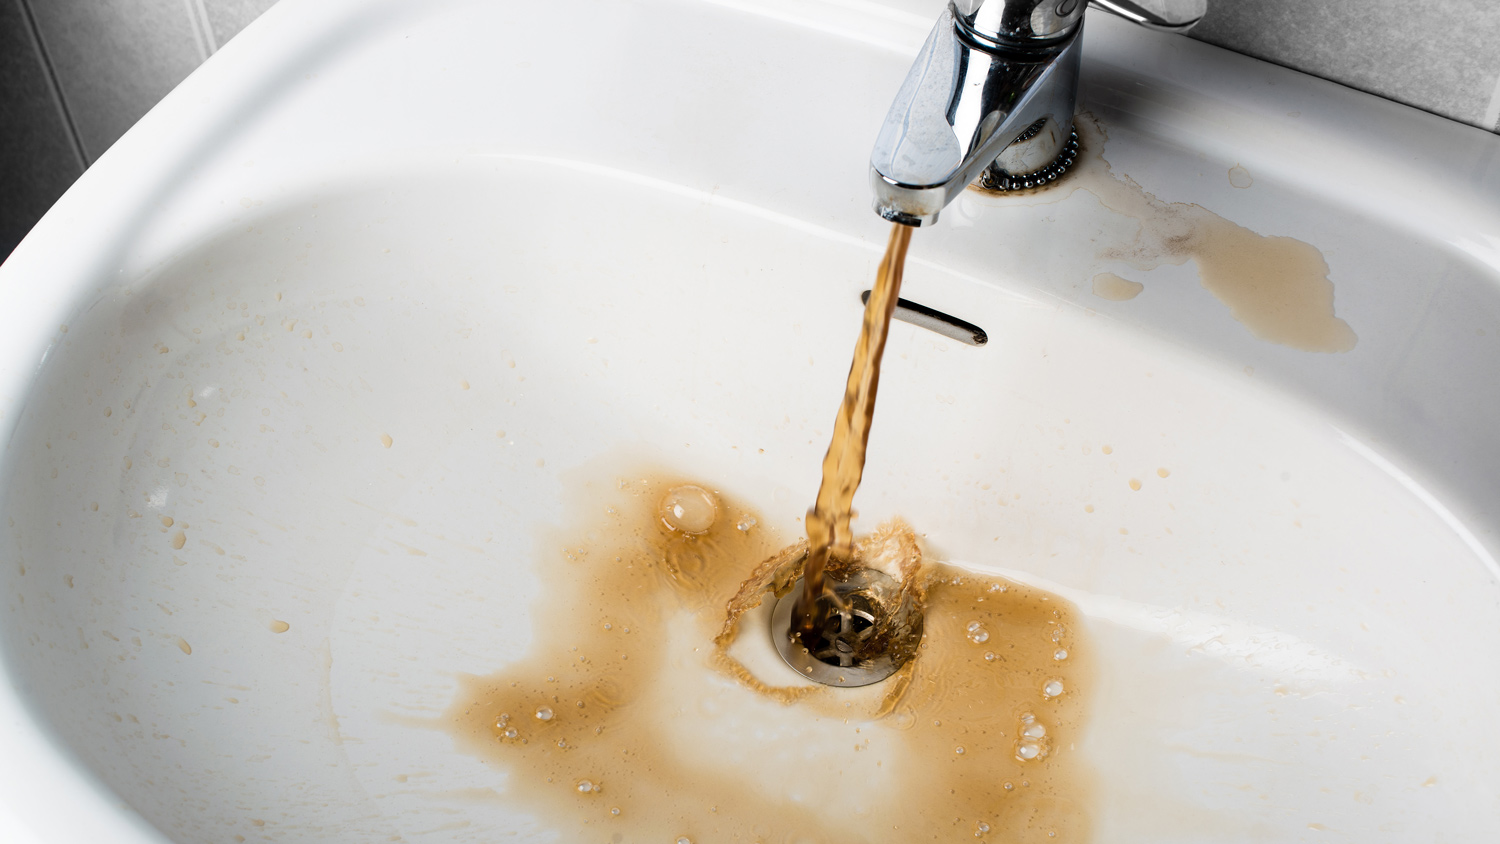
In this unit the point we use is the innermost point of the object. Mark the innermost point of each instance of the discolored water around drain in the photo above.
(646, 708)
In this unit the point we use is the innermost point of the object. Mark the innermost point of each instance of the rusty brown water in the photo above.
(830, 541)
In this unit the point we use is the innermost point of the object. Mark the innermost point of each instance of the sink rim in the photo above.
(200, 114)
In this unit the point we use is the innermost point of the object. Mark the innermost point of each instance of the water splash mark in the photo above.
(1276, 286)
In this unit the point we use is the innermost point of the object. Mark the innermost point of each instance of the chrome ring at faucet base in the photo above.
(995, 179)
(1030, 132)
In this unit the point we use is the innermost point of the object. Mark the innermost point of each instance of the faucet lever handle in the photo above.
(1161, 15)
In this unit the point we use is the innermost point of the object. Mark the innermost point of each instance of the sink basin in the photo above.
(306, 382)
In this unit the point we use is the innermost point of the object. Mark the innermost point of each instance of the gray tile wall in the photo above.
(1441, 56)
(115, 59)
(75, 74)
(38, 156)
(227, 17)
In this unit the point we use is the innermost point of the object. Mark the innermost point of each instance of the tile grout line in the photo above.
(52, 82)
(1492, 114)
(203, 31)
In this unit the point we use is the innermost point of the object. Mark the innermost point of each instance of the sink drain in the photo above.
(870, 629)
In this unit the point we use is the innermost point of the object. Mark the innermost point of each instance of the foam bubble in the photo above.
(977, 634)
(689, 509)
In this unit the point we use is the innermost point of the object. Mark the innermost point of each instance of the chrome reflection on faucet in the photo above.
(991, 93)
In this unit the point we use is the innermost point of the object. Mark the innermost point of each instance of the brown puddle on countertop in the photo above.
(625, 721)
(1276, 286)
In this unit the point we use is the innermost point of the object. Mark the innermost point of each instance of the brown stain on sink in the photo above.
(1276, 286)
(625, 722)
(1116, 289)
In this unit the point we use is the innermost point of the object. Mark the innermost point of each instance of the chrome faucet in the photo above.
(991, 96)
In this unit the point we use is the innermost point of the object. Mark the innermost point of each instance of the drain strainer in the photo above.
(869, 631)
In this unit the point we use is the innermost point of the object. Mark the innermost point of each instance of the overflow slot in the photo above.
(935, 320)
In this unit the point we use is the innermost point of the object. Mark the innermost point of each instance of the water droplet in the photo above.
(1028, 750)
(1009, 786)
(510, 732)
(683, 839)
(585, 787)
(989, 656)
(1034, 731)
(745, 523)
(959, 750)
(981, 829)
(544, 713)
(563, 743)
(1053, 688)
(977, 634)
(1060, 654)
(614, 810)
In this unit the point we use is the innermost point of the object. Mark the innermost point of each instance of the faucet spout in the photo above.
(993, 87)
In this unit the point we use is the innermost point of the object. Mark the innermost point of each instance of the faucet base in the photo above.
(1016, 168)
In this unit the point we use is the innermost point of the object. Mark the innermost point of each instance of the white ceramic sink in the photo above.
(370, 301)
